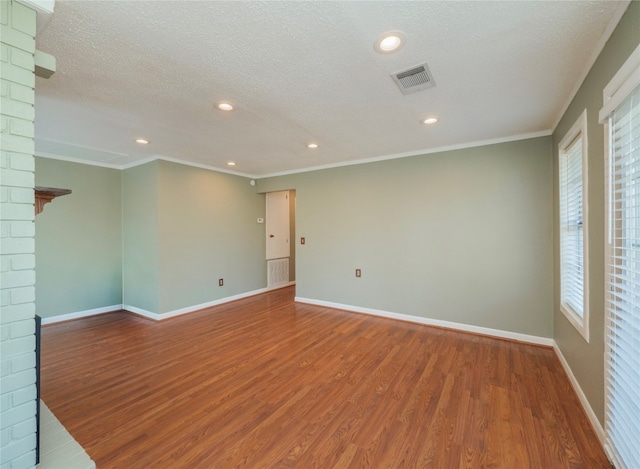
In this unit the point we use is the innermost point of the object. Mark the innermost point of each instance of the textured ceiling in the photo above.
(304, 71)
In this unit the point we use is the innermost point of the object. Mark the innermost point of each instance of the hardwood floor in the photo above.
(266, 382)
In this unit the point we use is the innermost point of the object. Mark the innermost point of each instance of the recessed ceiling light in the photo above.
(430, 120)
(389, 42)
(224, 106)
(231, 163)
(142, 141)
(313, 146)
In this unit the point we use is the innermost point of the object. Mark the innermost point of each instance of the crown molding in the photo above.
(480, 143)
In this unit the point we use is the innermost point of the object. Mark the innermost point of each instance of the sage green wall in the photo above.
(207, 230)
(165, 231)
(140, 192)
(463, 236)
(78, 239)
(587, 359)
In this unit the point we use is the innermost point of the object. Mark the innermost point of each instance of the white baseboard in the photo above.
(142, 312)
(209, 304)
(81, 314)
(531, 339)
(583, 398)
(279, 286)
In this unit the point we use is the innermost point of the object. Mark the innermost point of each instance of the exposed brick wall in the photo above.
(17, 258)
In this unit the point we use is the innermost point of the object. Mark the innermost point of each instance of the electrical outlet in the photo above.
(302, 240)
(220, 282)
(358, 273)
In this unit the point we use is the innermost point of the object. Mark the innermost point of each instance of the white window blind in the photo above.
(572, 227)
(573, 269)
(622, 413)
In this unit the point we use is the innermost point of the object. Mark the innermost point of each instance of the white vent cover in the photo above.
(414, 79)
(277, 271)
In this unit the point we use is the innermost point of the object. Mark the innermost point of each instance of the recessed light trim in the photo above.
(225, 106)
(142, 141)
(312, 146)
(390, 42)
(430, 120)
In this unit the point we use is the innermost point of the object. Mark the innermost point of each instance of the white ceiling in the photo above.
(305, 71)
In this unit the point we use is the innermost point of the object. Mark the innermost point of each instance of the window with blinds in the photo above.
(622, 414)
(572, 155)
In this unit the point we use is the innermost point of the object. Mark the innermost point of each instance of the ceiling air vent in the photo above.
(414, 79)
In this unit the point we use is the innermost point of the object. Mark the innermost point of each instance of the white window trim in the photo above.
(620, 86)
(617, 90)
(578, 130)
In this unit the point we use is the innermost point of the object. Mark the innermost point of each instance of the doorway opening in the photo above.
(280, 232)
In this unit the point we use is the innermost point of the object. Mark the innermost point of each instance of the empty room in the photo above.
(309, 234)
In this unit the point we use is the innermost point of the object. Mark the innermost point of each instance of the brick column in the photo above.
(17, 273)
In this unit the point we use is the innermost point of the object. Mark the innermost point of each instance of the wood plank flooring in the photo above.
(265, 382)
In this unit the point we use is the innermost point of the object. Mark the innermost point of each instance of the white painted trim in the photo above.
(531, 339)
(280, 285)
(513, 138)
(462, 146)
(621, 85)
(142, 312)
(583, 398)
(150, 159)
(578, 131)
(209, 304)
(112, 154)
(606, 34)
(43, 6)
(188, 163)
(53, 156)
(81, 314)
(45, 63)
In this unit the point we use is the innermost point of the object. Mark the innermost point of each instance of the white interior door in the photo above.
(277, 225)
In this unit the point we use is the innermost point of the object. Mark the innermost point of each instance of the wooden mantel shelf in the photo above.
(44, 195)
